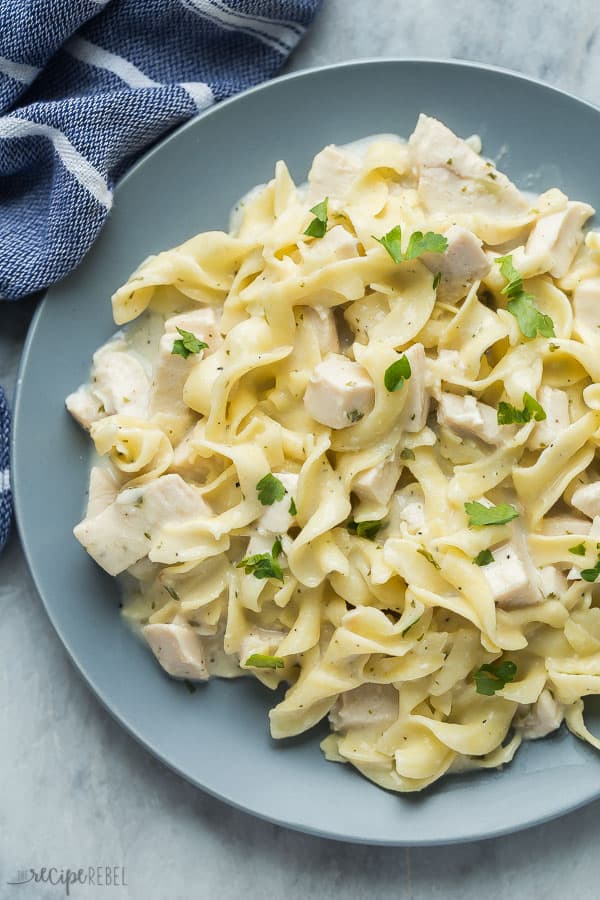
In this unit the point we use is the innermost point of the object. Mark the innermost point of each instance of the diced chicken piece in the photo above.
(119, 384)
(322, 321)
(337, 243)
(260, 640)
(543, 717)
(553, 581)
(408, 507)
(586, 304)
(369, 704)
(339, 392)
(565, 525)
(332, 175)
(555, 404)
(277, 518)
(103, 489)
(172, 370)
(377, 484)
(511, 578)
(471, 418)
(123, 533)
(454, 178)
(178, 649)
(463, 263)
(416, 408)
(556, 237)
(587, 499)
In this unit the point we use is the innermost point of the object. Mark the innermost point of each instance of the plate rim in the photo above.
(19, 413)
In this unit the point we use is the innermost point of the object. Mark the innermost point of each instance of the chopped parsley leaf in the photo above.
(480, 515)
(318, 226)
(492, 677)
(263, 661)
(396, 374)
(483, 558)
(187, 344)
(270, 489)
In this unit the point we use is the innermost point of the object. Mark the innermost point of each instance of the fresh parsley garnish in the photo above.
(292, 510)
(578, 550)
(520, 303)
(270, 489)
(264, 661)
(397, 374)
(484, 558)
(509, 414)
(263, 565)
(480, 515)
(187, 344)
(591, 574)
(318, 226)
(366, 529)
(492, 677)
(418, 244)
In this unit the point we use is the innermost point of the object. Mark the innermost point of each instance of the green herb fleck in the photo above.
(578, 550)
(407, 453)
(408, 627)
(187, 344)
(480, 515)
(492, 677)
(270, 489)
(171, 591)
(318, 226)
(484, 558)
(366, 529)
(293, 511)
(520, 303)
(263, 661)
(591, 575)
(354, 415)
(436, 280)
(428, 557)
(396, 374)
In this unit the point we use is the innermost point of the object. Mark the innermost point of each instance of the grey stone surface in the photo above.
(75, 790)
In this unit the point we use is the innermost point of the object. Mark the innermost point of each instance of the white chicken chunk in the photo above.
(119, 384)
(454, 178)
(332, 174)
(543, 717)
(337, 244)
(408, 507)
(586, 304)
(178, 649)
(587, 499)
(102, 490)
(471, 418)
(369, 704)
(555, 404)
(377, 483)
(339, 392)
(555, 238)
(322, 322)
(172, 370)
(511, 578)
(123, 533)
(277, 518)
(463, 263)
(416, 407)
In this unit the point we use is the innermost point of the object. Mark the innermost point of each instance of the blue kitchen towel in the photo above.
(88, 85)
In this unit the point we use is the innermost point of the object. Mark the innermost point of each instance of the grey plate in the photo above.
(218, 738)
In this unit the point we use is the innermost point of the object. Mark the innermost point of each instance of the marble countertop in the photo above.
(75, 790)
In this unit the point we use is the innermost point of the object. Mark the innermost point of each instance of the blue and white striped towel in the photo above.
(88, 85)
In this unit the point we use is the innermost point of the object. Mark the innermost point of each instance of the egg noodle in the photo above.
(353, 450)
